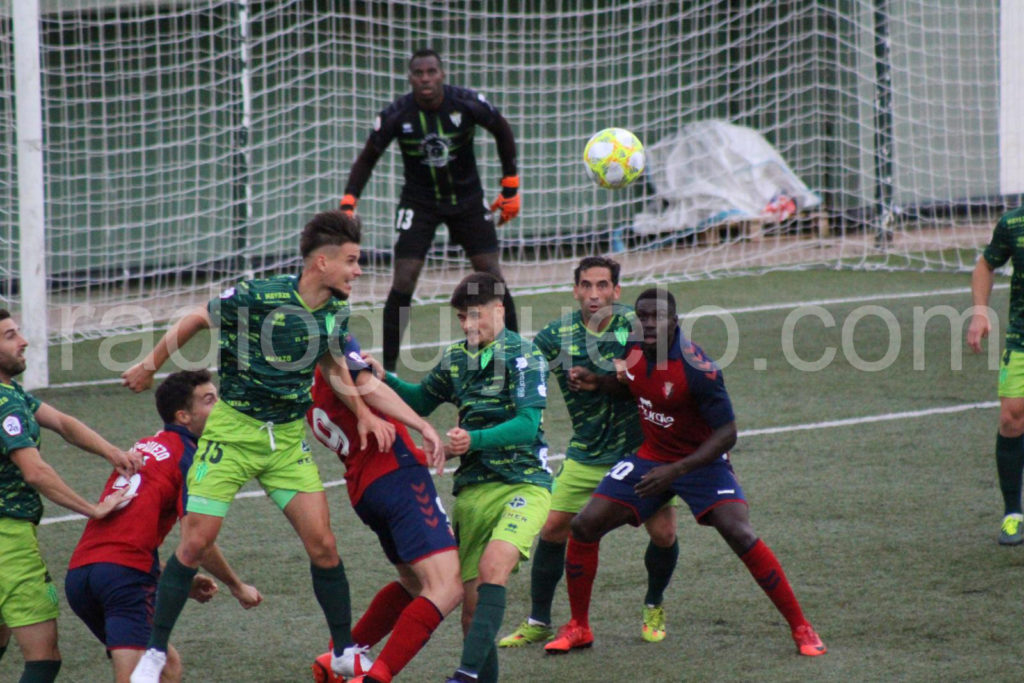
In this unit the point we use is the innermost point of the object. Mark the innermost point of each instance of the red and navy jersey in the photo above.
(335, 426)
(131, 535)
(681, 401)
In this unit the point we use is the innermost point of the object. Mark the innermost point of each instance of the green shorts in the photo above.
(576, 482)
(236, 448)
(1011, 375)
(497, 511)
(27, 593)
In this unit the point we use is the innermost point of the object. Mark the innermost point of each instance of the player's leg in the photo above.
(38, 645)
(660, 561)
(1010, 446)
(571, 490)
(499, 522)
(473, 229)
(29, 604)
(415, 226)
(5, 638)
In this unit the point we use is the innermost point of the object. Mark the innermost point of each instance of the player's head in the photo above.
(12, 347)
(426, 76)
(596, 286)
(656, 313)
(330, 250)
(477, 301)
(186, 398)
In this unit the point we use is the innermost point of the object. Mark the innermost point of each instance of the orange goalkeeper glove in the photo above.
(348, 204)
(508, 201)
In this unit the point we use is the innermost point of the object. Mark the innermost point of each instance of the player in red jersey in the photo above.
(113, 572)
(392, 492)
(689, 427)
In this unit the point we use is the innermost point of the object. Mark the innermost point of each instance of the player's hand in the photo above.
(507, 203)
(433, 447)
(458, 441)
(203, 588)
(657, 480)
(247, 595)
(375, 367)
(582, 379)
(348, 203)
(138, 377)
(382, 430)
(126, 463)
(978, 330)
(110, 503)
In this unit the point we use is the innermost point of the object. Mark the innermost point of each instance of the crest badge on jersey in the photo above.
(456, 117)
(668, 389)
(12, 425)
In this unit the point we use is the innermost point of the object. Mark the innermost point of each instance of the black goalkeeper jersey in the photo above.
(436, 146)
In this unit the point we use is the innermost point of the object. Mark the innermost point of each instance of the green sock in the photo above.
(40, 671)
(1010, 465)
(660, 563)
(171, 594)
(331, 589)
(489, 670)
(546, 572)
(490, 610)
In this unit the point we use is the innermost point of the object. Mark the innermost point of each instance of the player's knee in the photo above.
(585, 529)
(1011, 423)
(322, 549)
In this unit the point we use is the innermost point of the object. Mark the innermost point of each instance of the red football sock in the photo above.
(380, 617)
(412, 631)
(580, 570)
(767, 571)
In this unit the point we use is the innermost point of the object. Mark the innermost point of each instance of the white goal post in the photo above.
(185, 142)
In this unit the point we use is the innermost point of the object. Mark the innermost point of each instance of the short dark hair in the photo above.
(658, 294)
(4, 314)
(333, 228)
(589, 262)
(477, 289)
(425, 52)
(176, 392)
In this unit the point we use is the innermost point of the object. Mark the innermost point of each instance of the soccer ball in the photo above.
(614, 158)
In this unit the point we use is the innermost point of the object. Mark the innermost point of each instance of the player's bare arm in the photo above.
(383, 399)
(38, 474)
(341, 382)
(982, 280)
(660, 478)
(140, 376)
(78, 434)
(215, 563)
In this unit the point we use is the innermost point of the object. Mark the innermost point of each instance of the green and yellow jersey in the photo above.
(18, 429)
(270, 342)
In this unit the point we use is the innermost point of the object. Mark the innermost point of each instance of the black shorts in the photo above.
(470, 225)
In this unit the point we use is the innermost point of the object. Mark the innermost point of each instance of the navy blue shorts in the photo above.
(114, 601)
(405, 512)
(702, 489)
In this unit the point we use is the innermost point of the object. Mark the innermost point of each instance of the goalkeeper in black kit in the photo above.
(435, 125)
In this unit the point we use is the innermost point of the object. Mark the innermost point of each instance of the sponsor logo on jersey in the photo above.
(435, 151)
(12, 425)
(521, 363)
(661, 419)
(406, 127)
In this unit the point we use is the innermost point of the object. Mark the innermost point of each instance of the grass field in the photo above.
(883, 509)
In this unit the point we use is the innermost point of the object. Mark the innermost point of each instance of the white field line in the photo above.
(731, 311)
(827, 424)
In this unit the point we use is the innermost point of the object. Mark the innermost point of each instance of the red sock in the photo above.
(380, 617)
(580, 570)
(767, 571)
(412, 631)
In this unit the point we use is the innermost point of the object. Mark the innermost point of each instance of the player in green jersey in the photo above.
(28, 598)
(271, 333)
(605, 429)
(1007, 245)
(502, 487)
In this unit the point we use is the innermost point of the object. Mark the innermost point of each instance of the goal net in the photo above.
(186, 142)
